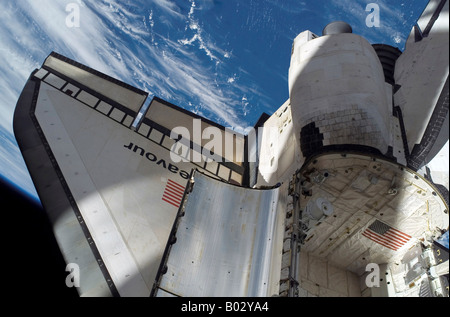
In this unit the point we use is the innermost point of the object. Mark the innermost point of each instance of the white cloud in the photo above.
(97, 44)
(117, 40)
(397, 38)
(197, 37)
(170, 8)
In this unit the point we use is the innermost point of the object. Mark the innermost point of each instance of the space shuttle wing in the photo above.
(422, 88)
(106, 178)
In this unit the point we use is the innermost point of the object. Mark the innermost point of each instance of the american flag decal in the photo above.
(385, 235)
(173, 194)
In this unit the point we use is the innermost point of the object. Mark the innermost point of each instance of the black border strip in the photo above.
(22, 137)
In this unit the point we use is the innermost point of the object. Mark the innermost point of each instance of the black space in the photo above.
(32, 265)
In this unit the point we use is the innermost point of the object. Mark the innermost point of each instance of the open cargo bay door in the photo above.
(227, 241)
